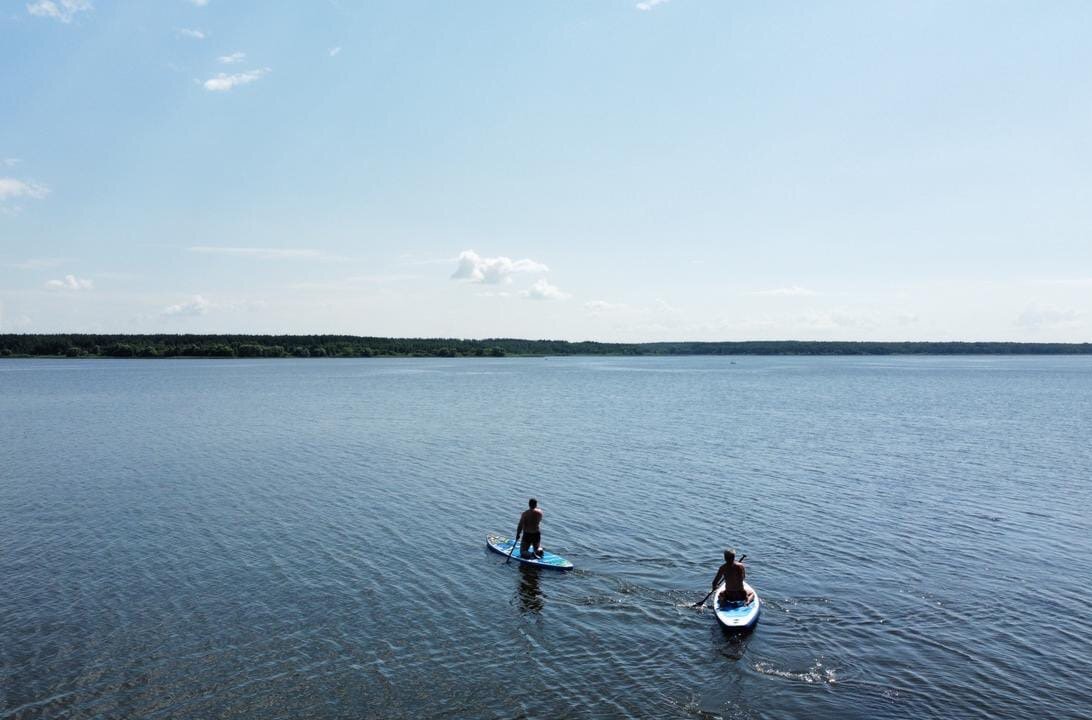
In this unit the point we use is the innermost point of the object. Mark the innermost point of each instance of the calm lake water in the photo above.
(305, 539)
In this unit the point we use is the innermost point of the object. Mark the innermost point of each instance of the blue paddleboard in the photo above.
(503, 545)
(737, 616)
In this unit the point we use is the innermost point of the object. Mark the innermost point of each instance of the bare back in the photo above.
(732, 576)
(530, 520)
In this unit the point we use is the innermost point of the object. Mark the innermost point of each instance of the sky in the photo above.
(613, 170)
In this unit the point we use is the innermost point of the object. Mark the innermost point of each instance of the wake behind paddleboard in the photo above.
(737, 616)
(503, 546)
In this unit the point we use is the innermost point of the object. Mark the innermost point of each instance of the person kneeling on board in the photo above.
(528, 528)
(731, 573)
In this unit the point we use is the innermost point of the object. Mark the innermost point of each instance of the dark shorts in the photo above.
(733, 596)
(529, 539)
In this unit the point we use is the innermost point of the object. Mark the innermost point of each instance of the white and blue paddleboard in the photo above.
(503, 545)
(737, 616)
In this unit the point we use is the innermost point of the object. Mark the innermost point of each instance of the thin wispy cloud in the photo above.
(70, 282)
(792, 291)
(543, 290)
(491, 271)
(61, 10)
(334, 51)
(223, 82)
(10, 162)
(38, 263)
(192, 33)
(647, 5)
(260, 253)
(602, 306)
(198, 3)
(356, 282)
(1040, 316)
(12, 189)
(233, 58)
(193, 307)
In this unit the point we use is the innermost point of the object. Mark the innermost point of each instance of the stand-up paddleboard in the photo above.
(503, 546)
(737, 616)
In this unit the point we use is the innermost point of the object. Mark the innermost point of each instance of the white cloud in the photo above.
(260, 253)
(334, 50)
(492, 271)
(224, 82)
(11, 162)
(63, 10)
(235, 57)
(1038, 316)
(793, 291)
(195, 306)
(70, 282)
(647, 5)
(10, 188)
(543, 290)
(191, 33)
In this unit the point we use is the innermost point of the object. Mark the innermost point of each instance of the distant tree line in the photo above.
(279, 346)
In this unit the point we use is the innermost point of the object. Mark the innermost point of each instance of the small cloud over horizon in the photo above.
(192, 33)
(334, 50)
(232, 59)
(70, 282)
(1040, 316)
(193, 307)
(492, 271)
(542, 290)
(646, 5)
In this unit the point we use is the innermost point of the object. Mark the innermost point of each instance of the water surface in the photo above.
(290, 539)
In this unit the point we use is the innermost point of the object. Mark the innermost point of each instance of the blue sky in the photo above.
(595, 169)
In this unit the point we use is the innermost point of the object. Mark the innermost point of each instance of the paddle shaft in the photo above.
(702, 601)
(509, 558)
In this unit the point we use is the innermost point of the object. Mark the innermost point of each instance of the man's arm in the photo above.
(718, 576)
(519, 528)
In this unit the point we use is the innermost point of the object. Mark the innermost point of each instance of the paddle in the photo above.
(702, 601)
(507, 559)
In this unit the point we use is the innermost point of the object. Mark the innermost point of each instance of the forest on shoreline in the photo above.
(277, 346)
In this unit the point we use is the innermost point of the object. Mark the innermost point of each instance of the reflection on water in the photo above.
(732, 644)
(531, 599)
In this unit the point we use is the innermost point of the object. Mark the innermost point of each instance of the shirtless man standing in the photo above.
(528, 527)
(731, 573)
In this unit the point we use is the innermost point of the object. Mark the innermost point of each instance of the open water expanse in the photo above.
(305, 538)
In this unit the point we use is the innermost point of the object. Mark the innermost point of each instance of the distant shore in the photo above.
(280, 346)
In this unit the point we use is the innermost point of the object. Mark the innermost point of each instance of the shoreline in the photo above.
(159, 346)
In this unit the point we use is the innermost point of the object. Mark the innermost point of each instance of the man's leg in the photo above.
(524, 543)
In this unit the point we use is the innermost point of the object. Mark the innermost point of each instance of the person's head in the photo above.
(532, 503)
(729, 555)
